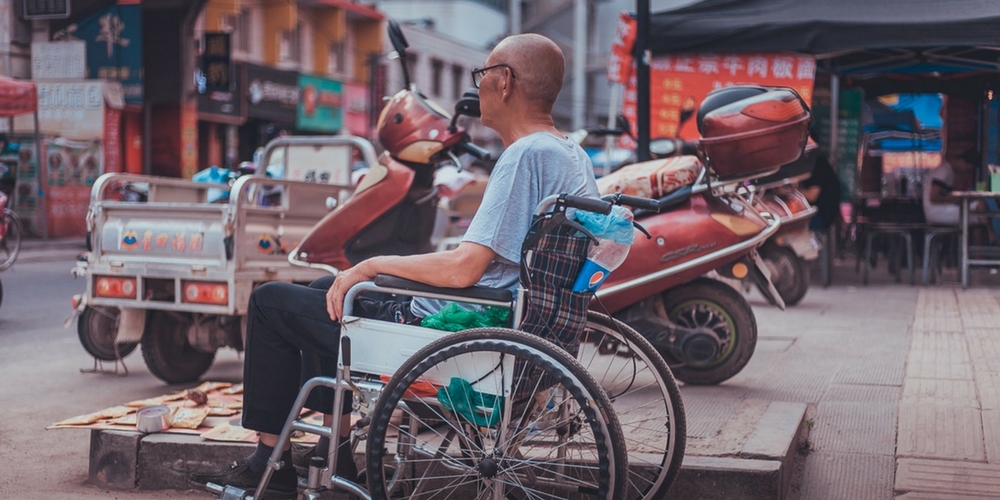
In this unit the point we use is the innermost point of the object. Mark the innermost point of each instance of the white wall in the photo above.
(471, 22)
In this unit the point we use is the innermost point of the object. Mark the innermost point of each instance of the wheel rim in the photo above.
(473, 456)
(706, 315)
(782, 273)
(644, 414)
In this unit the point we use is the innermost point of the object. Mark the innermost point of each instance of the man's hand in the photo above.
(344, 281)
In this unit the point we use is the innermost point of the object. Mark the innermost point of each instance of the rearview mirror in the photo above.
(397, 39)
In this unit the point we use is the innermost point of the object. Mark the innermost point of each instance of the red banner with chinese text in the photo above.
(674, 79)
(620, 60)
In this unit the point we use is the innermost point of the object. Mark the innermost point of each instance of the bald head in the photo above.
(538, 63)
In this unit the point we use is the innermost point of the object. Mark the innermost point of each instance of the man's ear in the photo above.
(506, 89)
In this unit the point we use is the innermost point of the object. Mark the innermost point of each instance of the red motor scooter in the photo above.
(393, 208)
(704, 328)
(788, 253)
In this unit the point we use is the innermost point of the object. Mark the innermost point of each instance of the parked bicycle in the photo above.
(10, 231)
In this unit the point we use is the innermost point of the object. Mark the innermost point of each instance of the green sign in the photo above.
(319, 105)
(848, 134)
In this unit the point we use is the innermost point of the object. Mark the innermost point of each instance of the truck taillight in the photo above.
(114, 287)
(205, 292)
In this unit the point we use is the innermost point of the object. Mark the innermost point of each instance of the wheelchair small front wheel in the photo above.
(495, 413)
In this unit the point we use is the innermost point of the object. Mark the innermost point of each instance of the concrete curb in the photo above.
(761, 471)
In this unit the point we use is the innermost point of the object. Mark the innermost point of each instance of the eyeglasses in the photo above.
(477, 73)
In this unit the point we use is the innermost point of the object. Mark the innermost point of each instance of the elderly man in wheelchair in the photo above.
(478, 410)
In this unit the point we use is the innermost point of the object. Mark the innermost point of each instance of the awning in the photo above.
(17, 97)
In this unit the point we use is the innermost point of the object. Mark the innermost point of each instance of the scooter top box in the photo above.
(756, 135)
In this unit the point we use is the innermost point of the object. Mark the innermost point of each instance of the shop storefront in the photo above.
(80, 128)
(272, 107)
(220, 114)
(319, 110)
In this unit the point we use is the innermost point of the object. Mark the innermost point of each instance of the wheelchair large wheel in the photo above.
(646, 400)
(437, 432)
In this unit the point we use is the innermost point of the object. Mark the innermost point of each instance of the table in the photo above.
(966, 198)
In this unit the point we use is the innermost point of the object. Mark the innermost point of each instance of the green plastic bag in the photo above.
(453, 318)
(477, 408)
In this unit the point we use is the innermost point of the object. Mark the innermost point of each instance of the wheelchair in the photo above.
(573, 404)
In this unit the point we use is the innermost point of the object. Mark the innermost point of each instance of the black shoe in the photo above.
(283, 483)
(346, 467)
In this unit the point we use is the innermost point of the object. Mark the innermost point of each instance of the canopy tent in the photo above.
(882, 46)
(853, 35)
(17, 97)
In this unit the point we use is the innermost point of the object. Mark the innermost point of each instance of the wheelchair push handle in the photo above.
(588, 204)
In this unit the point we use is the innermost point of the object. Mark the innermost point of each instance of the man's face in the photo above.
(489, 92)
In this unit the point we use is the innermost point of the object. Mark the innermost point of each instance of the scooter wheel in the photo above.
(789, 273)
(166, 351)
(715, 309)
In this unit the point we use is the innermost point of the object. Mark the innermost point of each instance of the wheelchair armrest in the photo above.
(472, 292)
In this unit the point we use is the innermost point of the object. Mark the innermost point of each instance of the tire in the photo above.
(646, 400)
(789, 273)
(166, 351)
(719, 310)
(97, 328)
(1, 293)
(10, 246)
(565, 433)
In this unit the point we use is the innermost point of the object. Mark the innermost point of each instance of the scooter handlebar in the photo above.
(476, 151)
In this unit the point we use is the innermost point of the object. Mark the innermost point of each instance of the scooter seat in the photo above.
(652, 179)
(472, 292)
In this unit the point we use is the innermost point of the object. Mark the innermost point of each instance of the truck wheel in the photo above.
(726, 326)
(789, 273)
(168, 354)
(97, 328)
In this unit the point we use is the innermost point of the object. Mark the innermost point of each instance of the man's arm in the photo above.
(458, 268)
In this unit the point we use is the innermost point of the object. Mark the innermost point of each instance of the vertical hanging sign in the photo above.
(114, 47)
(217, 63)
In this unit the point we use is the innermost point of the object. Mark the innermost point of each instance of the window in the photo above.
(437, 67)
(335, 58)
(238, 26)
(457, 80)
(290, 46)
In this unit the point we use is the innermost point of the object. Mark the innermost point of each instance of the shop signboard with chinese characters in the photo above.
(114, 47)
(356, 109)
(216, 64)
(58, 60)
(677, 79)
(319, 109)
(273, 94)
(222, 106)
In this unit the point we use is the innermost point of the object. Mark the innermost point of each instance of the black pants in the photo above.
(290, 339)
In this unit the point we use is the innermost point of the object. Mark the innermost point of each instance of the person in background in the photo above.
(822, 189)
(940, 207)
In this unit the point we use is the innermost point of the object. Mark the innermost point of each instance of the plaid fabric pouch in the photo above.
(553, 311)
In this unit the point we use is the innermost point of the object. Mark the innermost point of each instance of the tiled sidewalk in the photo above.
(948, 437)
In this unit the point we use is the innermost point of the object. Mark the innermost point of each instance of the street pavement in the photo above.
(902, 385)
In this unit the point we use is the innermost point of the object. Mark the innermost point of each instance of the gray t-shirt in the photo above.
(531, 169)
